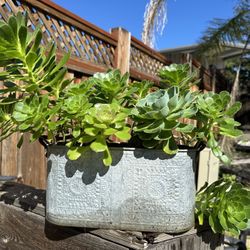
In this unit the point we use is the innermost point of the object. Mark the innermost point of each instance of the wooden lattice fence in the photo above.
(92, 49)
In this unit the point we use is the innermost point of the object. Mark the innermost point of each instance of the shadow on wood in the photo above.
(23, 226)
(58, 233)
(26, 197)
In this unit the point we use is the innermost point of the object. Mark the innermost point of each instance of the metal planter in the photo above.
(143, 190)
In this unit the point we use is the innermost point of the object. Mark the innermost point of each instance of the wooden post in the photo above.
(122, 53)
(208, 170)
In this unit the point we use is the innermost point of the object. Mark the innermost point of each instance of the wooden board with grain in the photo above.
(23, 226)
(32, 163)
(9, 156)
(26, 230)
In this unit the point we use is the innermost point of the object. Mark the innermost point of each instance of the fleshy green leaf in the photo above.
(185, 128)
(61, 63)
(99, 145)
(233, 109)
(225, 159)
(75, 152)
(170, 147)
(23, 37)
(240, 216)
(150, 143)
(223, 220)
(31, 58)
(109, 131)
(123, 134)
(107, 158)
(76, 132)
(91, 131)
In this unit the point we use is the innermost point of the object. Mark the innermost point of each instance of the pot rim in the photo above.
(129, 148)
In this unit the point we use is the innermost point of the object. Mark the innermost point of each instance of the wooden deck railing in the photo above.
(144, 61)
(92, 49)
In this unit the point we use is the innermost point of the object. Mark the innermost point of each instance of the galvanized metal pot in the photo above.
(143, 190)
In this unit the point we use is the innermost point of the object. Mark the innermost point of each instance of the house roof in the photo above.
(180, 49)
(231, 50)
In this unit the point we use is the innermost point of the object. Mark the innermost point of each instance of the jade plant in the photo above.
(36, 97)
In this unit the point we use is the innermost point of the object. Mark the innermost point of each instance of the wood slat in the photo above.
(82, 66)
(123, 50)
(22, 226)
(9, 153)
(26, 230)
(93, 48)
(138, 75)
(35, 20)
(82, 46)
(11, 4)
(51, 34)
(3, 13)
(144, 62)
(60, 31)
(133, 240)
(33, 163)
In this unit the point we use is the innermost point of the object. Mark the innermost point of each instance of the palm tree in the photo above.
(224, 31)
(155, 19)
(227, 31)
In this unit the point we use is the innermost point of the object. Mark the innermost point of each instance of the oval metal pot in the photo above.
(143, 190)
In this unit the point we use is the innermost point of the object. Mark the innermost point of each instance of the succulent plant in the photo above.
(226, 204)
(158, 114)
(215, 115)
(36, 98)
(178, 75)
(111, 86)
(100, 123)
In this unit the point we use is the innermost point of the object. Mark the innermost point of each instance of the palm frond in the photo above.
(242, 5)
(226, 31)
(155, 19)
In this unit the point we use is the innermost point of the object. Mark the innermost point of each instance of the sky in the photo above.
(187, 19)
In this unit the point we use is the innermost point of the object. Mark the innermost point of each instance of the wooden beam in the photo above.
(79, 65)
(9, 156)
(139, 75)
(122, 53)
